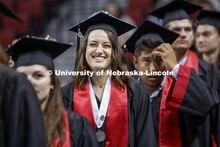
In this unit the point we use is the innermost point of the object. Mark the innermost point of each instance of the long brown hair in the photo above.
(53, 115)
(119, 62)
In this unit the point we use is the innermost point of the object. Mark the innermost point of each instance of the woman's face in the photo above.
(98, 50)
(39, 78)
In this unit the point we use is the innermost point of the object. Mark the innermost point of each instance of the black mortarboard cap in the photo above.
(8, 12)
(176, 10)
(103, 20)
(210, 18)
(150, 30)
(35, 50)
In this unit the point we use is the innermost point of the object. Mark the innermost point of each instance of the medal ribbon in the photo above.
(117, 113)
(100, 114)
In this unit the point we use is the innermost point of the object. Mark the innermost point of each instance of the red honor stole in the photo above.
(192, 61)
(117, 114)
(67, 132)
(169, 130)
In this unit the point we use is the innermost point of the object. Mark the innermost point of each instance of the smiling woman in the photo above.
(117, 107)
(99, 50)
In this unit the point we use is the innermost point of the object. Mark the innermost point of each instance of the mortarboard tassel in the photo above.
(79, 35)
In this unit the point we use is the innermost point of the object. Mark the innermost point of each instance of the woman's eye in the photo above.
(38, 76)
(107, 46)
(92, 44)
(24, 74)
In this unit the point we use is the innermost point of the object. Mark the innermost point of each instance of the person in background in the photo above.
(207, 36)
(176, 18)
(182, 96)
(117, 106)
(206, 5)
(113, 7)
(34, 58)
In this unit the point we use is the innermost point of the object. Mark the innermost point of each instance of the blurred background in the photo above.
(54, 17)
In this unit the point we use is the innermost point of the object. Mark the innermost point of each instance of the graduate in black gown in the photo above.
(117, 106)
(34, 58)
(178, 108)
(21, 120)
(176, 18)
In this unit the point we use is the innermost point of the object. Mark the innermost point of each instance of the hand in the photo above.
(165, 51)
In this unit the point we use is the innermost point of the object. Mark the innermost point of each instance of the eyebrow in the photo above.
(147, 57)
(203, 32)
(107, 42)
(38, 71)
(179, 27)
(158, 57)
(93, 41)
(97, 42)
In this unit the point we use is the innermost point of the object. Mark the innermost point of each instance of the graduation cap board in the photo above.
(102, 20)
(210, 18)
(8, 12)
(176, 10)
(35, 50)
(149, 30)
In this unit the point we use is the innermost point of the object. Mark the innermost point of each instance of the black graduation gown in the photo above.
(21, 120)
(211, 75)
(82, 133)
(140, 125)
(195, 111)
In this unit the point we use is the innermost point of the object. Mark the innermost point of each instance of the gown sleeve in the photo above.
(81, 131)
(21, 120)
(192, 96)
(140, 123)
(213, 79)
(200, 104)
